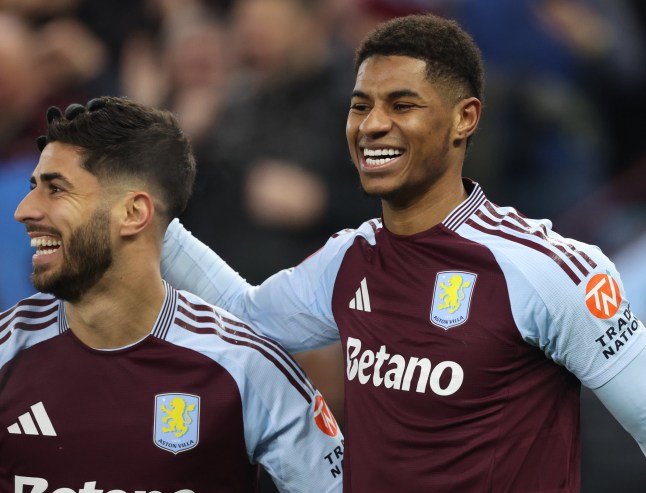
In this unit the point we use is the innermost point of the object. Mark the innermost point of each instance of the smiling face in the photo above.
(401, 131)
(68, 224)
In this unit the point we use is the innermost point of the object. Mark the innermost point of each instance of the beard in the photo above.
(87, 256)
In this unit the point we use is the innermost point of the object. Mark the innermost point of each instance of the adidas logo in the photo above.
(361, 300)
(27, 425)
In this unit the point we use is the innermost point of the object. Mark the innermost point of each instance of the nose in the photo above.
(376, 122)
(28, 209)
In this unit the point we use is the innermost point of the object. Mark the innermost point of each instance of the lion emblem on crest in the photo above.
(178, 416)
(453, 293)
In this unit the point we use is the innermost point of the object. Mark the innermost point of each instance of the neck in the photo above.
(426, 212)
(118, 311)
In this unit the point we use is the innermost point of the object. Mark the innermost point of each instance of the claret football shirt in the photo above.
(465, 345)
(191, 408)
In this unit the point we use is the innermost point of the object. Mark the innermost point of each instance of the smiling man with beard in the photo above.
(88, 257)
(110, 379)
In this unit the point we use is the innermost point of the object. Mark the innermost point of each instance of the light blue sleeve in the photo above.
(294, 306)
(625, 397)
(300, 445)
(553, 313)
(188, 264)
(288, 428)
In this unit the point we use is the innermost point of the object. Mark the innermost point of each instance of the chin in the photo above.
(379, 190)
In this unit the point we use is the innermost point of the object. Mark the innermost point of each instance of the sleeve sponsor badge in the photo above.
(602, 296)
(324, 418)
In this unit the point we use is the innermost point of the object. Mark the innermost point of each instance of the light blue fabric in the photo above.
(625, 398)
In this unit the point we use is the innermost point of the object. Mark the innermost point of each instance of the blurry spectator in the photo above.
(564, 79)
(615, 217)
(182, 66)
(551, 65)
(21, 93)
(72, 49)
(32, 8)
(615, 214)
(21, 86)
(632, 259)
(274, 170)
(39, 65)
(353, 19)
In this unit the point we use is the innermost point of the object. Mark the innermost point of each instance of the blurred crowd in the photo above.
(262, 89)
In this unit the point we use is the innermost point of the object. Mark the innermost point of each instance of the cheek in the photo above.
(350, 129)
(351, 135)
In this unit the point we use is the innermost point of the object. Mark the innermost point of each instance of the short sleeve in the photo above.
(584, 321)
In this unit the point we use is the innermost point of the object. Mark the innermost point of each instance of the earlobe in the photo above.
(139, 212)
(467, 117)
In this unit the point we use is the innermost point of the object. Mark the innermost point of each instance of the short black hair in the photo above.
(120, 138)
(451, 55)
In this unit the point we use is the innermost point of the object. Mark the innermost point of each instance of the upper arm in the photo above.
(294, 306)
(584, 323)
(624, 396)
(289, 429)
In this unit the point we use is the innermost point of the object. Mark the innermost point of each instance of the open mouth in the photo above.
(45, 245)
(380, 157)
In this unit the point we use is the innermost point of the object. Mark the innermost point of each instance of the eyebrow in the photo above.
(49, 177)
(400, 93)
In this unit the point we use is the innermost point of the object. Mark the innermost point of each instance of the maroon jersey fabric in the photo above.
(465, 345)
(521, 408)
(102, 404)
(188, 409)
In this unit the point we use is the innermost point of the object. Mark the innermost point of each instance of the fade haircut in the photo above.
(120, 139)
(452, 58)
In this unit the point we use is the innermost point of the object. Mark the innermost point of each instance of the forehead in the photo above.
(62, 159)
(392, 73)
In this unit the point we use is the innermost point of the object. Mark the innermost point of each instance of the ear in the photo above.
(467, 116)
(138, 212)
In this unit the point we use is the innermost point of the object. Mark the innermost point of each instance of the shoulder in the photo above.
(33, 313)
(548, 276)
(320, 268)
(531, 249)
(338, 244)
(28, 322)
(235, 345)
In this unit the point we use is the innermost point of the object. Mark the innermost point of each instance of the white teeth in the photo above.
(44, 241)
(378, 157)
(44, 252)
(381, 152)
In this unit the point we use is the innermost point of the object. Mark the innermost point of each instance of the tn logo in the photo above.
(177, 416)
(452, 293)
(324, 418)
(602, 296)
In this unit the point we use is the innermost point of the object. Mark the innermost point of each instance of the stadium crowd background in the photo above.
(262, 89)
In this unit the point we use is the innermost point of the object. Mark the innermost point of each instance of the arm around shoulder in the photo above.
(190, 265)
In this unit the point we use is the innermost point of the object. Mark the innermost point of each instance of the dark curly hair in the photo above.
(120, 138)
(452, 58)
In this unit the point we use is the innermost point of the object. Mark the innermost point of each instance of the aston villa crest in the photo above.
(177, 422)
(452, 298)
